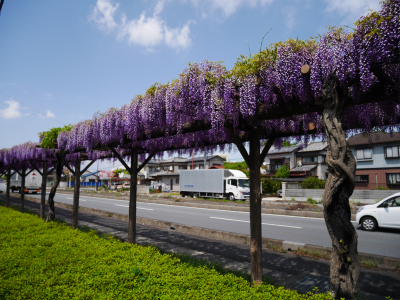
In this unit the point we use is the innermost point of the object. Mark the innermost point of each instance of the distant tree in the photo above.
(241, 166)
(49, 140)
(288, 144)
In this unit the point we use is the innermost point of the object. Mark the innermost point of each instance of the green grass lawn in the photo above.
(40, 260)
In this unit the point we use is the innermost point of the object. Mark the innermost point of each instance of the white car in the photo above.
(385, 214)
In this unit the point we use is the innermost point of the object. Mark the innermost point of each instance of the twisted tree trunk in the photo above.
(59, 169)
(338, 189)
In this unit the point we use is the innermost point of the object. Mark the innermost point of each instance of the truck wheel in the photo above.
(231, 197)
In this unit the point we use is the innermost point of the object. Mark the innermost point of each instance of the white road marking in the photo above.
(244, 221)
(137, 208)
(80, 199)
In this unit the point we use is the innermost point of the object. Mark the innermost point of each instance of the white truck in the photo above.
(32, 183)
(214, 183)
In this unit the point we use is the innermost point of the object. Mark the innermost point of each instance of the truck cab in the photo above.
(237, 186)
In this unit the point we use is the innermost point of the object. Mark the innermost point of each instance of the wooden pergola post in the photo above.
(43, 191)
(77, 172)
(8, 178)
(254, 159)
(23, 177)
(133, 171)
(22, 189)
(44, 173)
(77, 185)
(133, 198)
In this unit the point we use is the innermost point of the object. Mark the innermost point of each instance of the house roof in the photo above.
(184, 159)
(374, 138)
(314, 147)
(288, 149)
(304, 168)
(164, 173)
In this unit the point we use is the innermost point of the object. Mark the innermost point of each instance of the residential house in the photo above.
(310, 161)
(278, 157)
(378, 160)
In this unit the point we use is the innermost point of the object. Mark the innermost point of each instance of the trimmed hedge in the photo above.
(40, 260)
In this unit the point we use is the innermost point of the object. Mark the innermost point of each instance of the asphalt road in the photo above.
(288, 228)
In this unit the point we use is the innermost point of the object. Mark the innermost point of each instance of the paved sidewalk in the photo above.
(291, 271)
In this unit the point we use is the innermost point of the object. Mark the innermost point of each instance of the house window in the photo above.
(392, 152)
(362, 179)
(364, 154)
(309, 159)
(177, 180)
(393, 178)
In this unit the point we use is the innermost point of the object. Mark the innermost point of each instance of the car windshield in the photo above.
(244, 183)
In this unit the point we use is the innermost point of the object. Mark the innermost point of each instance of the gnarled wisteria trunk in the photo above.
(58, 169)
(338, 189)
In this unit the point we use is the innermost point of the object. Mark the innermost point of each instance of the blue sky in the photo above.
(63, 61)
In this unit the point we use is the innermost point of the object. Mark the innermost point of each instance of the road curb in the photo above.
(370, 261)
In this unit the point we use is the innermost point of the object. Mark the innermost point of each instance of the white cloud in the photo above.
(178, 38)
(146, 31)
(352, 8)
(229, 7)
(12, 111)
(104, 14)
(290, 17)
(50, 115)
(160, 5)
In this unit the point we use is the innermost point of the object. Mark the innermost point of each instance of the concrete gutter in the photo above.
(370, 261)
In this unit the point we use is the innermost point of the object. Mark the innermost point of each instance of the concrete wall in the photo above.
(166, 182)
(143, 189)
(370, 196)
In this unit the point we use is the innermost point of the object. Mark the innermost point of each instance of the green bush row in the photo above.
(313, 183)
(40, 260)
(270, 186)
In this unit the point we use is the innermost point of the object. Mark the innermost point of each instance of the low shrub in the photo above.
(312, 201)
(270, 186)
(313, 183)
(40, 260)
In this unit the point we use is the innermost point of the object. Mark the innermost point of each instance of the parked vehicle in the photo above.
(116, 187)
(32, 183)
(214, 183)
(385, 214)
